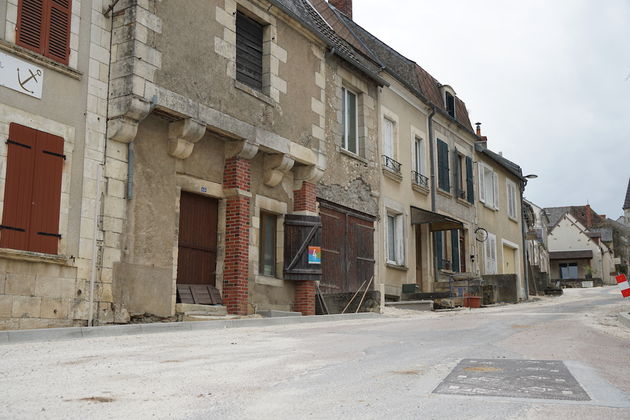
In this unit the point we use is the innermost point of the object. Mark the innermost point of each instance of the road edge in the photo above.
(624, 318)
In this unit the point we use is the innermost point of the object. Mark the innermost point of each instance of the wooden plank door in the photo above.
(197, 258)
(333, 250)
(360, 251)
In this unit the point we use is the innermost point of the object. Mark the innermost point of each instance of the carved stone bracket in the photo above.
(310, 173)
(130, 111)
(241, 148)
(182, 136)
(276, 166)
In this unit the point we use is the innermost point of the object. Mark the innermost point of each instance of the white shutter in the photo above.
(495, 182)
(388, 138)
(482, 185)
(490, 254)
(400, 241)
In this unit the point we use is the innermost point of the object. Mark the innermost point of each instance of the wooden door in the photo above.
(347, 249)
(197, 258)
(509, 260)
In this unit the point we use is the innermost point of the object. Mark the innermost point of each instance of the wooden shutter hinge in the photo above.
(48, 152)
(56, 235)
(12, 228)
(9, 141)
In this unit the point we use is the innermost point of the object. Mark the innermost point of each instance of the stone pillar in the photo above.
(305, 202)
(236, 183)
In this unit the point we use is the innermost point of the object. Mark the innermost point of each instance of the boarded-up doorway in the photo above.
(197, 257)
(347, 248)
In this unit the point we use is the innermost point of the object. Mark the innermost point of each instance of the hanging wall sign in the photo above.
(21, 76)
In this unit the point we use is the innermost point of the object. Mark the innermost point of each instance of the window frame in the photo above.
(511, 199)
(262, 244)
(394, 239)
(568, 265)
(449, 104)
(490, 264)
(391, 141)
(345, 91)
(419, 164)
(46, 46)
(488, 184)
(240, 75)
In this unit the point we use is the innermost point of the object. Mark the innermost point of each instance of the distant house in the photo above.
(537, 245)
(576, 254)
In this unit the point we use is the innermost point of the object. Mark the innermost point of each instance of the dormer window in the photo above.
(449, 102)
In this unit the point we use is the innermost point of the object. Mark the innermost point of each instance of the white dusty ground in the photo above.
(350, 369)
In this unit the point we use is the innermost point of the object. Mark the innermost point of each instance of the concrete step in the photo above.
(202, 310)
(413, 305)
(277, 314)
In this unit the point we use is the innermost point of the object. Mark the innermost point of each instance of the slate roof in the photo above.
(579, 212)
(303, 12)
(510, 166)
(626, 203)
(406, 71)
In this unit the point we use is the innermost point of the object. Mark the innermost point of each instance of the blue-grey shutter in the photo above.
(443, 166)
(470, 186)
(438, 249)
(455, 250)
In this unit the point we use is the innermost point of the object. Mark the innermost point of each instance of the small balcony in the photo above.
(391, 164)
(420, 180)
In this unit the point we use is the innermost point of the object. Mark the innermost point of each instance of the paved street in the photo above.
(385, 368)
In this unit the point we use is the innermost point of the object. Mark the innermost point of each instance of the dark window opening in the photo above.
(249, 51)
(267, 241)
(450, 104)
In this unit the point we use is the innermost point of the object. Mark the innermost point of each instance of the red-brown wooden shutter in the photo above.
(44, 27)
(16, 214)
(44, 233)
(58, 39)
(30, 25)
(32, 192)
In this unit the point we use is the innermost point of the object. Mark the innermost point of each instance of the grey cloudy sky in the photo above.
(549, 80)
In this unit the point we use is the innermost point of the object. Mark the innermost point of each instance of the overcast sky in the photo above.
(549, 80)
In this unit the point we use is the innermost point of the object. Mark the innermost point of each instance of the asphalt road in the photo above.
(562, 357)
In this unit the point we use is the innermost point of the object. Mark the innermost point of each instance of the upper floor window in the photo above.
(43, 26)
(488, 187)
(449, 102)
(249, 51)
(417, 175)
(32, 191)
(511, 199)
(389, 128)
(349, 121)
(463, 177)
(490, 254)
(443, 166)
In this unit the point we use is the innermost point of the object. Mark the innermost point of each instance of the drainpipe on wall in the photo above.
(433, 194)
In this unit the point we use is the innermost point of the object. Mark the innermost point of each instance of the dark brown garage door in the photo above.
(347, 248)
(197, 258)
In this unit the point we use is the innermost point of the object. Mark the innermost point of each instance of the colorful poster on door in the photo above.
(314, 254)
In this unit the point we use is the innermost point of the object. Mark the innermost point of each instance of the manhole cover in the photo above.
(547, 379)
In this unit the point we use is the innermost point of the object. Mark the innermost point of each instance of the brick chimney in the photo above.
(481, 138)
(589, 216)
(344, 6)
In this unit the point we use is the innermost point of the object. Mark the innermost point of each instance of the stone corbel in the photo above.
(182, 136)
(276, 166)
(309, 173)
(129, 112)
(241, 149)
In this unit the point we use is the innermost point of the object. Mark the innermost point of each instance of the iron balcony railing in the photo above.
(391, 164)
(419, 179)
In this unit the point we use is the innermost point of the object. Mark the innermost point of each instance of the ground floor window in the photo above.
(568, 271)
(395, 243)
(267, 243)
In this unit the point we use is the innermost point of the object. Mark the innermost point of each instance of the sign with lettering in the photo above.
(21, 75)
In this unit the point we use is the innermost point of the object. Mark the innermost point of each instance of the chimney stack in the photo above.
(589, 217)
(478, 124)
(344, 6)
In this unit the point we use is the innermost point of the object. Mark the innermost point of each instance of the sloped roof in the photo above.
(626, 203)
(510, 166)
(406, 71)
(555, 214)
(303, 12)
(579, 212)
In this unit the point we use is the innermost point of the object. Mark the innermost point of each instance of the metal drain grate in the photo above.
(546, 379)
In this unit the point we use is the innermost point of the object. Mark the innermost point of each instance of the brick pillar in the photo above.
(236, 183)
(305, 200)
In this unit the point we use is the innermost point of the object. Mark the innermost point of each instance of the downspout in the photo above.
(433, 194)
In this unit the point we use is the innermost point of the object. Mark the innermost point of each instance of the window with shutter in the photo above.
(249, 51)
(455, 250)
(490, 254)
(495, 190)
(443, 166)
(437, 237)
(470, 187)
(44, 27)
(32, 196)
